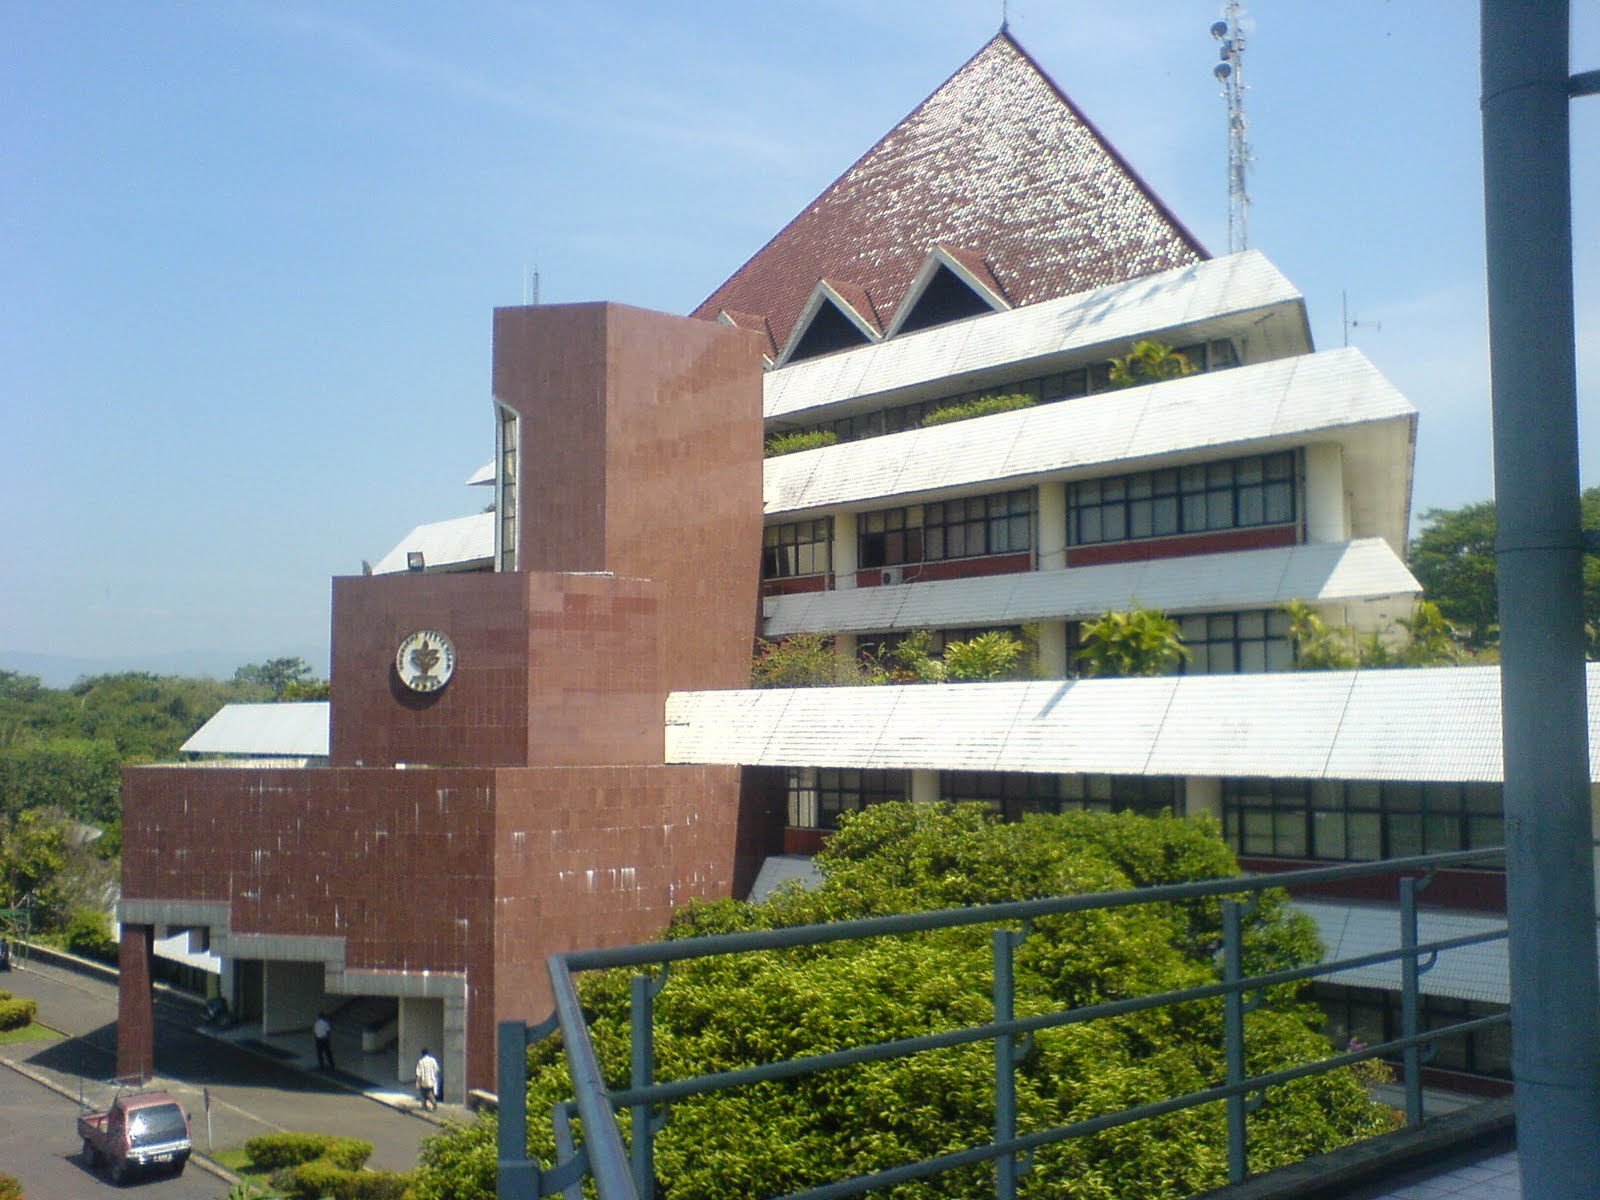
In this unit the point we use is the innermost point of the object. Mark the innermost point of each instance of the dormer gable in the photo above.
(838, 316)
(754, 322)
(951, 285)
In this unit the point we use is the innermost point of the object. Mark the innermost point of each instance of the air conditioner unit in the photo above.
(894, 575)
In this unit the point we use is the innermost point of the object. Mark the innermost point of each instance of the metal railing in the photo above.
(627, 1171)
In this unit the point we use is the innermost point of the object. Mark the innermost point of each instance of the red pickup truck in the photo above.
(144, 1131)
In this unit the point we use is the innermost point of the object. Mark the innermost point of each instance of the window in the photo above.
(1013, 793)
(1239, 493)
(818, 795)
(797, 548)
(1001, 523)
(1370, 1016)
(1237, 643)
(506, 489)
(1361, 820)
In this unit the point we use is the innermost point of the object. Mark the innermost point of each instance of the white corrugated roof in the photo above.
(1466, 973)
(1360, 570)
(1270, 404)
(298, 730)
(1187, 297)
(453, 543)
(1439, 723)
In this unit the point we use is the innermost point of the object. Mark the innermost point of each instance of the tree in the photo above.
(33, 854)
(1150, 362)
(801, 660)
(275, 675)
(1453, 559)
(1141, 641)
(736, 1011)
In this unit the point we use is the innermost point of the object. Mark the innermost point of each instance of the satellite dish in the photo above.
(1222, 71)
(1219, 29)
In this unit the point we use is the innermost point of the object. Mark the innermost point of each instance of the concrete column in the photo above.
(844, 645)
(136, 1020)
(844, 550)
(1325, 508)
(925, 787)
(291, 995)
(1202, 796)
(1053, 662)
(1052, 531)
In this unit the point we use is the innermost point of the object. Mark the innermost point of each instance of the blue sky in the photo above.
(250, 249)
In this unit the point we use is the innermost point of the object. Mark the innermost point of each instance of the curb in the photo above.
(200, 1160)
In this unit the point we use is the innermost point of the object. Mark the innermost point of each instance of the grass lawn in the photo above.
(237, 1161)
(31, 1032)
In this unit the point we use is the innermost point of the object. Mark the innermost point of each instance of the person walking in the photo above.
(428, 1080)
(322, 1030)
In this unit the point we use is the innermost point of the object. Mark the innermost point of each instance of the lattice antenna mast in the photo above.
(1229, 72)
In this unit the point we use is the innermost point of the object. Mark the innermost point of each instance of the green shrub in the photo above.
(310, 1180)
(275, 1151)
(373, 1185)
(983, 406)
(800, 439)
(15, 1014)
(89, 934)
(10, 1189)
(349, 1153)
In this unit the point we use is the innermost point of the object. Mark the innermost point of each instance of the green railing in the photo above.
(627, 1171)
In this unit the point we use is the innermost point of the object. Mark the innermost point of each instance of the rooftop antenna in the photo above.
(1005, 15)
(1229, 72)
(530, 285)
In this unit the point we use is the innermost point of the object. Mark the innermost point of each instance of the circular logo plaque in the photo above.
(425, 660)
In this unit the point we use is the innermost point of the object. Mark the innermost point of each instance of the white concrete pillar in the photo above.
(1594, 816)
(1052, 531)
(844, 550)
(1202, 796)
(1326, 519)
(1053, 662)
(925, 787)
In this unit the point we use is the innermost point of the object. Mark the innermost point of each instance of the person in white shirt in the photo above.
(428, 1080)
(322, 1030)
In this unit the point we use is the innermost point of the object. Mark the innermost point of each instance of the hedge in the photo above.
(280, 1151)
(314, 1180)
(15, 1014)
(801, 439)
(983, 406)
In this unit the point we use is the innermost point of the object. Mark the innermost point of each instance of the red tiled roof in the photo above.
(997, 161)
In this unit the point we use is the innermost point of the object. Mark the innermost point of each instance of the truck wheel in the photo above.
(91, 1156)
(178, 1170)
(120, 1174)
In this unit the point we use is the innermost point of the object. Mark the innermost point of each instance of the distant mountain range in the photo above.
(61, 670)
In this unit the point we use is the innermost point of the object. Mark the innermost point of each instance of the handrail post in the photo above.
(1233, 1036)
(642, 1151)
(1410, 1020)
(518, 1176)
(1005, 1062)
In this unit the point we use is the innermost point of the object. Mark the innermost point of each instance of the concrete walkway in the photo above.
(250, 1092)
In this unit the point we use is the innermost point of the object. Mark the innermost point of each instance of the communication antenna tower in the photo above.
(530, 285)
(1229, 72)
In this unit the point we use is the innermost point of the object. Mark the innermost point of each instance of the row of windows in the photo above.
(1358, 821)
(1370, 1017)
(1330, 820)
(817, 796)
(1001, 523)
(1043, 389)
(1239, 493)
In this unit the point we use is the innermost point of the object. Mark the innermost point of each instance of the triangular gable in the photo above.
(838, 315)
(952, 284)
(998, 157)
(754, 322)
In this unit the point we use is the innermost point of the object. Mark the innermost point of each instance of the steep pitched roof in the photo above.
(997, 161)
